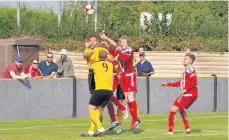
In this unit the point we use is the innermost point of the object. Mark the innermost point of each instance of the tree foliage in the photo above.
(199, 25)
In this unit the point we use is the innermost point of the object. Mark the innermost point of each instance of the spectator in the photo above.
(14, 70)
(141, 49)
(65, 65)
(144, 67)
(32, 70)
(48, 68)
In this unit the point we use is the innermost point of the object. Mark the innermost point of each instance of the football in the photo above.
(90, 9)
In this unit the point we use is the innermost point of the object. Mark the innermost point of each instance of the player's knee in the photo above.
(181, 111)
(174, 109)
(131, 97)
(109, 103)
(91, 107)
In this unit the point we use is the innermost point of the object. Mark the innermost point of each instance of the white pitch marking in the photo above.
(166, 136)
(45, 126)
(174, 136)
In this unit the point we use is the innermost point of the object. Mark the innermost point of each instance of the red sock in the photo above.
(131, 110)
(184, 118)
(118, 103)
(111, 112)
(134, 110)
(172, 117)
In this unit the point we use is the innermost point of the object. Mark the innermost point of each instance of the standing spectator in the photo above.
(144, 67)
(65, 65)
(48, 68)
(14, 70)
(141, 49)
(33, 71)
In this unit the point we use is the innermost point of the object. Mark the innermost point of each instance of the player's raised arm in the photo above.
(110, 41)
(87, 52)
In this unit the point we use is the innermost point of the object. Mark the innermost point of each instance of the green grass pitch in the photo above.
(205, 126)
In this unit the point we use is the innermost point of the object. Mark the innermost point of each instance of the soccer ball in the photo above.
(90, 9)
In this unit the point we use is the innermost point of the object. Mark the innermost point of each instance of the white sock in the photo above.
(90, 132)
(101, 130)
(115, 122)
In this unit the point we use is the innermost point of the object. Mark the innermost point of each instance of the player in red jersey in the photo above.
(128, 77)
(109, 44)
(188, 93)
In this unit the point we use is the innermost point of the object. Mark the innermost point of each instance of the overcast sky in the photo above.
(35, 4)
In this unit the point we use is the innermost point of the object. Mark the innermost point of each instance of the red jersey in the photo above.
(188, 80)
(125, 60)
(33, 71)
(9, 68)
(113, 54)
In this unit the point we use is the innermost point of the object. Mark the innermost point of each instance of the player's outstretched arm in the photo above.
(103, 36)
(171, 84)
(163, 84)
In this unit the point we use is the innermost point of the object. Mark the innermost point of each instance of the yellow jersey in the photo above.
(103, 74)
(95, 56)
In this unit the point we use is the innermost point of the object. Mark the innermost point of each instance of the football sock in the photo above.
(134, 110)
(118, 103)
(101, 112)
(137, 108)
(184, 118)
(172, 117)
(111, 112)
(130, 110)
(94, 114)
(92, 126)
(119, 117)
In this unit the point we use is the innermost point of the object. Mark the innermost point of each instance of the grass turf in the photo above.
(205, 126)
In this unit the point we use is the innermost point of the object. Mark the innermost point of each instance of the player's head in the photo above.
(104, 43)
(103, 55)
(124, 42)
(189, 59)
(93, 41)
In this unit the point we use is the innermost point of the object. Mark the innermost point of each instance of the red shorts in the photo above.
(185, 101)
(129, 82)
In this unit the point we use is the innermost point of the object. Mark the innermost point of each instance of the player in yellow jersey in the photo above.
(103, 71)
(91, 54)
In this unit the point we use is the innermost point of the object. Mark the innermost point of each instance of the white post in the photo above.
(96, 14)
(73, 8)
(59, 13)
(88, 2)
(18, 14)
(18, 52)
